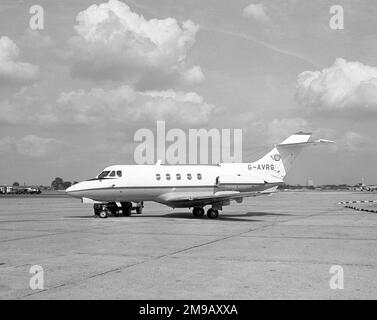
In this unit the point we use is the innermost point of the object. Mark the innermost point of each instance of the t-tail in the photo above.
(282, 156)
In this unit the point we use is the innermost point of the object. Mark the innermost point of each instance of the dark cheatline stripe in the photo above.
(94, 179)
(144, 187)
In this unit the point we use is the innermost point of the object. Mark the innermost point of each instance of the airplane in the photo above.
(117, 187)
(368, 188)
(363, 187)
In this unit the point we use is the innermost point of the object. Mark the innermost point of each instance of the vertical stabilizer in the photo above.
(282, 156)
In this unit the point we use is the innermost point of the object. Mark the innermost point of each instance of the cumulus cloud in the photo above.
(124, 104)
(343, 87)
(257, 11)
(113, 42)
(193, 75)
(30, 146)
(11, 70)
(120, 105)
(26, 106)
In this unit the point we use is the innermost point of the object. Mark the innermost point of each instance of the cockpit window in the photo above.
(103, 174)
(109, 173)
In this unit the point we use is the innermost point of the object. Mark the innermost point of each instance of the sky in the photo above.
(74, 92)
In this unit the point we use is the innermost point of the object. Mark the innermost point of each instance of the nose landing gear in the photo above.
(103, 214)
(100, 210)
(103, 210)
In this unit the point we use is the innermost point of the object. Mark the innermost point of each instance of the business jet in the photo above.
(117, 188)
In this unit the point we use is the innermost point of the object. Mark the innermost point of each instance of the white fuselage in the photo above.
(159, 182)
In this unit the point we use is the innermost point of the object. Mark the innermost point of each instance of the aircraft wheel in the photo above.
(198, 212)
(212, 213)
(103, 214)
(117, 213)
(97, 209)
(113, 211)
(126, 209)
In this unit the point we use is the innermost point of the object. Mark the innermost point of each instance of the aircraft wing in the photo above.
(176, 200)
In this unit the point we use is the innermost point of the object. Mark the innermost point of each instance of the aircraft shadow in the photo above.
(81, 217)
(188, 215)
(227, 217)
(260, 214)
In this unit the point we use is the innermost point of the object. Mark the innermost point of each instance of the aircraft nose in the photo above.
(73, 190)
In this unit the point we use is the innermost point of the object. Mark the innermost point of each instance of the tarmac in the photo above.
(275, 247)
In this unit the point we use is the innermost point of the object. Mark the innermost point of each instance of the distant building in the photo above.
(6, 189)
(309, 183)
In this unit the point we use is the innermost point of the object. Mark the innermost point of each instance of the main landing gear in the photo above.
(211, 212)
(103, 210)
(198, 212)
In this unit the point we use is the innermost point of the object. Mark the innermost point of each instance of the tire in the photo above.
(103, 214)
(198, 212)
(113, 211)
(126, 209)
(139, 210)
(212, 213)
(97, 209)
(117, 213)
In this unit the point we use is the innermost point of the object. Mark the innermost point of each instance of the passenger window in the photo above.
(119, 173)
(158, 176)
(178, 176)
(112, 174)
(189, 176)
(167, 176)
(199, 176)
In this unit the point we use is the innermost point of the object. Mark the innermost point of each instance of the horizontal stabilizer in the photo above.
(310, 143)
(299, 137)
